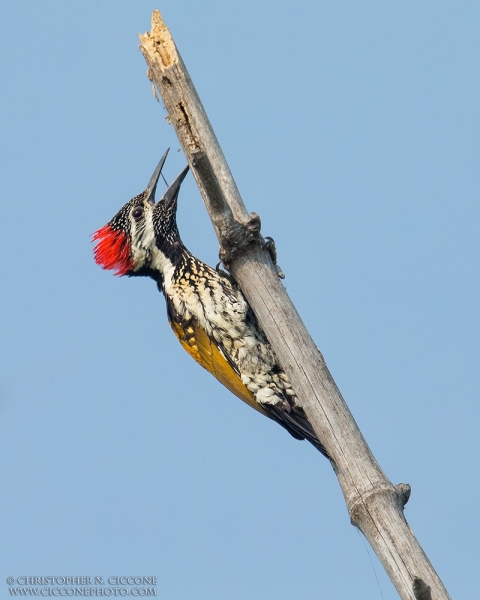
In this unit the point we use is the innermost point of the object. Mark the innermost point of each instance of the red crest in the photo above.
(113, 250)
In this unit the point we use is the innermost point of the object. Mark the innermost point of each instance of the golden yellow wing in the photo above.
(197, 343)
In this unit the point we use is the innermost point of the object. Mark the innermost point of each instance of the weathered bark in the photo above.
(375, 505)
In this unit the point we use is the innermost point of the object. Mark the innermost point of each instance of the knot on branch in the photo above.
(404, 490)
(359, 506)
(421, 590)
(235, 237)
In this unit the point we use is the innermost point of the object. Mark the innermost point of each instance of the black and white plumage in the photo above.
(207, 311)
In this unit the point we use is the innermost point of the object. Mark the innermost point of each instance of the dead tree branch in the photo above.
(374, 504)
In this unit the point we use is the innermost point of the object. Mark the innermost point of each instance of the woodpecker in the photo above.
(206, 309)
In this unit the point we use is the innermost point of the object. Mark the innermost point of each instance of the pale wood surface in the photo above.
(375, 505)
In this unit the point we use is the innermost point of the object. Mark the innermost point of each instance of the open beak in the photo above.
(152, 184)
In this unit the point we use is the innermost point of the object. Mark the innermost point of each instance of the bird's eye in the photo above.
(137, 213)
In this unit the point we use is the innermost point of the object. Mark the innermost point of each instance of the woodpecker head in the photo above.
(142, 234)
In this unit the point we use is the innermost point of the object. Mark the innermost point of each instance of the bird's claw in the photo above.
(223, 273)
(272, 250)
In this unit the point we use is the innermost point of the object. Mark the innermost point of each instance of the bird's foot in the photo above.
(272, 250)
(223, 273)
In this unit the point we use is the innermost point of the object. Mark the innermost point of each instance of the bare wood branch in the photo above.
(374, 504)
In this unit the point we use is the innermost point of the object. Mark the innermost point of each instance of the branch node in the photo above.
(404, 490)
(235, 237)
(421, 590)
(252, 227)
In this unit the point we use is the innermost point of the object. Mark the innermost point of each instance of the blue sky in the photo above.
(352, 128)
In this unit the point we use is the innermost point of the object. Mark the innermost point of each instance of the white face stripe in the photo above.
(144, 249)
(143, 240)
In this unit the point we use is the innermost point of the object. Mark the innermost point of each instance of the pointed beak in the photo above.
(172, 192)
(152, 184)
